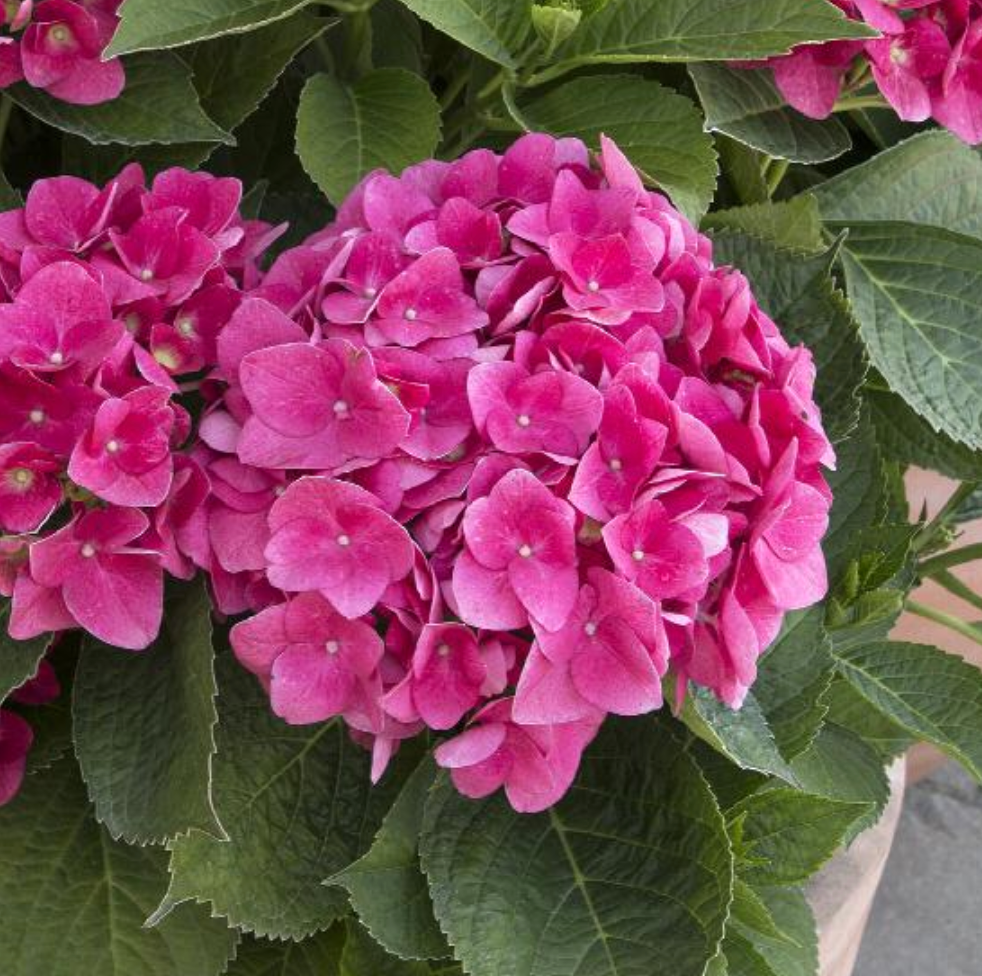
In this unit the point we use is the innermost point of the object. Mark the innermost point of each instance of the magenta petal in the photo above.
(484, 597)
(16, 738)
(309, 685)
(546, 693)
(90, 82)
(474, 745)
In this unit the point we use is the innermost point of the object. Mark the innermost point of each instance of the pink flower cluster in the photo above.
(107, 294)
(927, 63)
(503, 445)
(16, 734)
(57, 45)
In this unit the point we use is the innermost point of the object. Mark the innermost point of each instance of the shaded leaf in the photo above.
(158, 105)
(796, 954)
(388, 119)
(630, 873)
(19, 660)
(849, 709)
(660, 130)
(386, 886)
(73, 901)
(297, 805)
(362, 956)
(792, 224)
(746, 106)
(144, 727)
(148, 25)
(319, 955)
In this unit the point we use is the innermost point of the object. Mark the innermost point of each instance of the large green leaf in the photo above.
(19, 660)
(792, 678)
(73, 901)
(297, 805)
(148, 25)
(785, 836)
(234, 74)
(742, 735)
(158, 105)
(319, 955)
(363, 956)
(841, 766)
(659, 129)
(144, 727)
(916, 292)
(797, 292)
(934, 696)
(389, 119)
(932, 178)
(629, 874)
(499, 29)
(795, 953)
(904, 436)
(704, 30)
(793, 224)
(746, 106)
(387, 887)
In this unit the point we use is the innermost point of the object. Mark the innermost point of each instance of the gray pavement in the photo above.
(927, 919)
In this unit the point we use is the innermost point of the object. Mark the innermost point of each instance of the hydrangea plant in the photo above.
(452, 513)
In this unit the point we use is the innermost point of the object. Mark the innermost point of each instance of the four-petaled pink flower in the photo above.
(29, 488)
(111, 586)
(331, 536)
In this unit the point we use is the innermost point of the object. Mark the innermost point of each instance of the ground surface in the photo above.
(927, 919)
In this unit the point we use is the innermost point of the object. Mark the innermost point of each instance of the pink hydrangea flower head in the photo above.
(332, 537)
(112, 586)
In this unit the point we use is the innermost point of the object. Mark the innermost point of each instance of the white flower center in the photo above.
(185, 326)
(56, 358)
(112, 447)
(37, 416)
(523, 420)
(593, 285)
(146, 274)
(332, 647)
(616, 464)
(88, 550)
(590, 627)
(340, 407)
(370, 292)
(410, 314)
(443, 650)
(637, 555)
(344, 540)
(22, 477)
(525, 550)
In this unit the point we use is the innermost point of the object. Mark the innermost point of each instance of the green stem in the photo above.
(549, 74)
(358, 44)
(955, 586)
(491, 87)
(953, 557)
(927, 536)
(946, 620)
(859, 102)
(454, 87)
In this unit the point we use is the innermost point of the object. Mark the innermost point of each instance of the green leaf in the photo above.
(148, 25)
(841, 766)
(915, 290)
(850, 710)
(787, 835)
(554, 24)
(740, 958)
(144, 727)
(19, 660)
(397, 37)
(386, 886)
(751, 913)
(746, 106)
(297, 805)
(859, 492)
(704, 30)
(498, 29)
(932, 178)
(796, 953)
(742, 735)
(73, 901)
(319, 955)
(389, 119)
(630, 873)
(935, 696)
(234, 74)
(791, 224)
(10, 199)
(158, 105)
(792, 679)
(904, 436)
(659, 129)
(743, 169)
(363, 956)
(797, 292)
